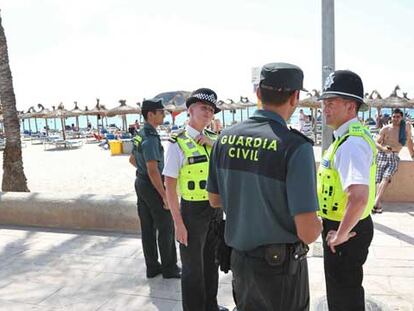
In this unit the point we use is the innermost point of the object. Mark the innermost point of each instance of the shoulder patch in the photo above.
(173, 137)
(356, 129)
(210, 132)
(292, 130)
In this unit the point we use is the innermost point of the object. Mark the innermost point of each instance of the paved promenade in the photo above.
(50, 270)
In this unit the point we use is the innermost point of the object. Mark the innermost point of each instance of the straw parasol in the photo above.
(174, 102)
(394, 101)
(26, 115)
(44, 113)
(122, 110)
(60, 113)
(32, 113)
(75, 112)
(311, 101)
(245, 103)
(223, 107)
(98, 111)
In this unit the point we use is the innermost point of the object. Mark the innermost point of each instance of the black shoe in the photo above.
(221, 308)
(153, 273)
(176, 274)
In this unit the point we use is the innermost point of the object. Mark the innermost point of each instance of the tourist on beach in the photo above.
(263, 175)
(346, 191)
(390, 141)
(301, 119)
(187, 166)
(148, 158)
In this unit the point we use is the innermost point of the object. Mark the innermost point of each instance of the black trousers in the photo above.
(343, 270)
(199, 277)
(155, 218)
(258, 286)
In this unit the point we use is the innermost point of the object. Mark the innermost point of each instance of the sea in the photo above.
(226, 117)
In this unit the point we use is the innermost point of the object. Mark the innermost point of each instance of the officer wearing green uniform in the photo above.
(148, 158)
(346, 192)
(186, 166)
(263, 174)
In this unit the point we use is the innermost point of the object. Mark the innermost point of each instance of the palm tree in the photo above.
(14, 178)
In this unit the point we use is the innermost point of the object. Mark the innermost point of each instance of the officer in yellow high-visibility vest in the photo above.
(346, 191)
(186, 165)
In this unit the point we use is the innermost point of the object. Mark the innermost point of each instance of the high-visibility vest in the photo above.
(192, 179)
(331, 195)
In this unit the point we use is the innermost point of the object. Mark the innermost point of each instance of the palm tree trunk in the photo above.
(14, 178)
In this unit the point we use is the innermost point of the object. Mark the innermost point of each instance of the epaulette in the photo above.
(210, 132)
(137, 140)
(292, 130)
(173, 137)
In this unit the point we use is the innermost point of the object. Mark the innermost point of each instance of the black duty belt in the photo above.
(297, 250)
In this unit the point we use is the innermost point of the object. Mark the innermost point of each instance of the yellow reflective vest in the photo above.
(192, 178)
(331, 195)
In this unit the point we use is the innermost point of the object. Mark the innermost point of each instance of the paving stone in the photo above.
(27, 292)
(141, 303)
(68, 270)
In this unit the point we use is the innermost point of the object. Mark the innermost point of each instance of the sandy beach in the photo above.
(86, 170)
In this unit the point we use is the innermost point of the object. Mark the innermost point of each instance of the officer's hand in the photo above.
(203, 140)
(165, 203)
(181, 234)
(333, 239)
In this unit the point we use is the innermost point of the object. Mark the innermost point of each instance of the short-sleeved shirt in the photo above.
(150, 150)
(353, 159)
(174, 159)
(265, 175)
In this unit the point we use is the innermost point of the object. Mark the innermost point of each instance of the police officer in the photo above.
(187, 164)
(346, 191)
(263, 174)
(148, 158)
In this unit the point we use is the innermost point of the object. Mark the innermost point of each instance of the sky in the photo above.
(80, 50)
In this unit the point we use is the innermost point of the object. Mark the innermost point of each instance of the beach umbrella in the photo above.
(60, 113)
(174, 102)
(394, 101)
(123, 110)
(23, 116)
(75, 112)
(223, 107)
(375, 100)
(245, 102)
(311, 101)
(104, 112)
(44, 113)
(238, 106)
(32, 113)
(99, 111)
(230, 106)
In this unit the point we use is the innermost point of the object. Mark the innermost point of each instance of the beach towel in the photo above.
(402, 138)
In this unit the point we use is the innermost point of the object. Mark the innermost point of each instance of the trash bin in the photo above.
(115, 146)
(127, 146)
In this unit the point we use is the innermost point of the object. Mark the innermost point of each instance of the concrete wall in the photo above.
(69, 211)
(401, 188)
(119, 213)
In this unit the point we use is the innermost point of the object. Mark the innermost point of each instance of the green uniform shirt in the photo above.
(265, 175)
(149, 149)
